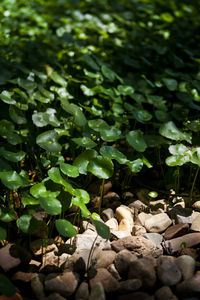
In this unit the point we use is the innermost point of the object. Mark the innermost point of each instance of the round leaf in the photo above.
(136, 140)
(69, 170)
(135, 165)
(11, 180)
(51, 205)
(170, 131)
(102, 229)
(3, 234)
(65, 228)
(82, 160)
(98, 125)
(83, 195)
(27, 223)
(48, 140)
(84, 142)
(110, 135)
(101, 167)
(176, 160)
(112, 153)
(142, 116)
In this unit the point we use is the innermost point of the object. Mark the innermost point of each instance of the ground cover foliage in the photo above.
(94, 89)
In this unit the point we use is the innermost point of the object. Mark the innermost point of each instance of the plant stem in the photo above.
(101, 195)
(90, 254)
(193, 183)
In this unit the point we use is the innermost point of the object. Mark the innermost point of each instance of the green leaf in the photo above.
(38, 189)
(11, 179)
(177, 160)
(65, 228)
(170, 131)
(6, 97)
(29, 200)
(125, 90)
(108, 73)
(146, 162)
(101, 167)
(3, 236)
(83, 195)
(4, 166)
(55, 176)
(17, 115)
(27, 223)
(38, 119)
(90, 62)
(58, 79)
(51, 205)
(110, 135)
(6, 286)
(142, 116)
(135, 165)
(136, 140)
(83, 159)
(112, 153)
(48, 140)
(78, 201)
(7, 215)
(171, 84)
(102, 229)
(153, 194)
(178, 149)
(84, 142)
(98, 125)
(73, 109)
(12, 156)
(69, 170)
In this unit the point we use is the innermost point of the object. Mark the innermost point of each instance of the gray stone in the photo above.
(190, 239)
(102, 275)
(143, 269)
(138, 230)
(107, 214)
(55, 296)
(123, 260)
(38, 287)
(157, 223)
(81, 242)
(82, 291)
(137, 244)
(52, 259)
(64, 284)
(112, 224)
(165, 293)
(142, 218)
(189, 287)
(97, 292)
(113, 271)
(115, 234)
(176, 231)
(7, 260)
(129, 286)
(155, 238)
(105, 258)
(167, 270)
(187, 265)
(138, 204)
(195, 224)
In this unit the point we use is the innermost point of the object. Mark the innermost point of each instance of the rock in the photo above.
(40, 246)
(143, 269)
(138, 204)
(105, 258)
(155, 238)
(136, 296)
(82, 291)
(55, 296)
(123, 260)
(190, 239)
(111, 196)
(165, 293)
(138, 230)
(86, 241)
(23, 276)
(138, 244)
(176, 231)
(182, 219)
(129, 286)
(77, 262)
(190, 251)
(7, 261)
(87, 225)
(189, 287)
(107, 214)
(107, 280)
(112, 224)
(64, 284)
(196, 205)
(156, 204)
(52, 259)
(167, 270)
(141, 218)
(111, 268)
(115, 235)
(186, 264)
(97, 292)
(124, 212)
(125, 225)
(38, 287)
(157, 223)
(195, 224)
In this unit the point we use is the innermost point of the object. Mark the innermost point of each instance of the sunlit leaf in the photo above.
(101, 167)
(102, 229)
(170, 131)
(83, 159)
(65, 228)
(112, 153)
(84, 142)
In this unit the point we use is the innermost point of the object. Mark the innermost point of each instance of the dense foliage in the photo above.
(89, 88)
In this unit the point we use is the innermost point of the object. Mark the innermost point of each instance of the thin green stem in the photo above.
(101, 195)
(193, 183)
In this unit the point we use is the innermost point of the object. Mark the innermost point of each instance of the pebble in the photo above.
(157, 223)
(155, 238)
(7, 261)
(55, 296)
(124, 212)
(138, 204)
(128, 286)
(102, 275)
(112, 224)
(138, 230)
(107, 214)
(196, 205)
(38, 287)
(125, 225)
(142, 218)
(187, 265)
(82, 291)
(97, 292)
(64, 284)
(115, 234)
(40, 246)
(189, 287)
(111, 268)
(165, 293)
(195, 224)
(138, 244)
(143, 269)
(176, 231)
(190, 239)
(167, 270)
(136, 296)
(105, 258)
(123, 260)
